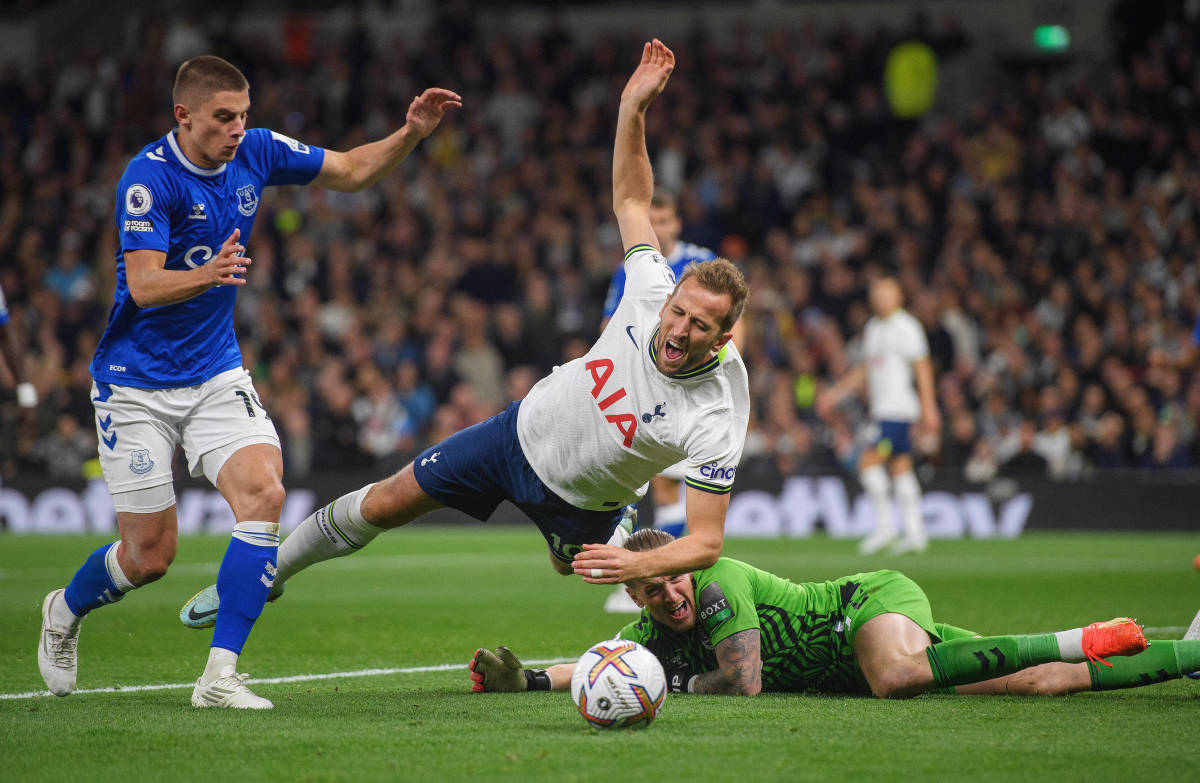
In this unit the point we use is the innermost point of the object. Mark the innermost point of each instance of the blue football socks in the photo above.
(98, 581)
(246, 575)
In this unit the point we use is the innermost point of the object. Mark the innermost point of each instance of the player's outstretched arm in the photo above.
(151, 285)
(633, 179)
(603, 564)
(502, 672)
(366, 164)
(931, 418)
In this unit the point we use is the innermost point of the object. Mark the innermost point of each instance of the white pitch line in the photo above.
(168, 686)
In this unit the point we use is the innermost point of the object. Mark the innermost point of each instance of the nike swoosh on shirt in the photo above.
(194, 615)
(629, 331)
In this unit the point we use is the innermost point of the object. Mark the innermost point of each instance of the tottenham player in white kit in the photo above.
(895, 352)
(667, 490)
(663, 384)
(168, 370)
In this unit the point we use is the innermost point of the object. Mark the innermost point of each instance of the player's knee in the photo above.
(150, 565)
(898, 682)
(263, 500)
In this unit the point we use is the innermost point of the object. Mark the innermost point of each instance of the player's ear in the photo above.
(720, 343)
(183, 117)
(635, 598)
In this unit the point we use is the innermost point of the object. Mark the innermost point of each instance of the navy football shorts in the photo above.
(893, 438)
(475, 469)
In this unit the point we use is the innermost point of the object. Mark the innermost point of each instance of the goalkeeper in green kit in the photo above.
(734, 629)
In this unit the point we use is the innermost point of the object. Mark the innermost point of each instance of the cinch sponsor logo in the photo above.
(711, 471)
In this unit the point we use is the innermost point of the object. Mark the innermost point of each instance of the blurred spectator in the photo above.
(1025, 462)
(63, 452)
(1045, 231)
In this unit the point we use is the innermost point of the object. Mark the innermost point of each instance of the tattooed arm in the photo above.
(740, 659)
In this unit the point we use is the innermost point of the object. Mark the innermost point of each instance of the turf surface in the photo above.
(427, 597)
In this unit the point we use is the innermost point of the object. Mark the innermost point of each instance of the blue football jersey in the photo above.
(683, 254)
(165, 202)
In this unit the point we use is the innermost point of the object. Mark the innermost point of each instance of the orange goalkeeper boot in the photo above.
(1120, 636)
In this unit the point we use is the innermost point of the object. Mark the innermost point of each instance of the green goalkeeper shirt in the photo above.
(805, 627)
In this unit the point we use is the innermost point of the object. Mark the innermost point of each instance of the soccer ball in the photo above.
(618, 683)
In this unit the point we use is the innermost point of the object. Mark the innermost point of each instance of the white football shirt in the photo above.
(890, 346)
(598, 428)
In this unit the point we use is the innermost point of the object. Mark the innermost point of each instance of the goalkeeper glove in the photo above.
(679, 678)
(501, 672)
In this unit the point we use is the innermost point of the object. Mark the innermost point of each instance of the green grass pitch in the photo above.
(428, 596)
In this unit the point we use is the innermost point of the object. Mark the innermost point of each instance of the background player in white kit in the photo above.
(581, 446)
(168, 370)
(895, 352)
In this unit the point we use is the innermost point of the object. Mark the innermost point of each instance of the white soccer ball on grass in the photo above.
(617, 684)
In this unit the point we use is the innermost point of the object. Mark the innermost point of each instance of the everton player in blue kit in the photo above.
(168, 370)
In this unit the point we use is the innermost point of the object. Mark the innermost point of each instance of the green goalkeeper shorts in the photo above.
(881, 592)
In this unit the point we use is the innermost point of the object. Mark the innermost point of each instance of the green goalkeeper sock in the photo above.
(1161, 661)
(966, 660)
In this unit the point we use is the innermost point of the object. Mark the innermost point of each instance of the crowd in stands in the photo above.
(1045, 233)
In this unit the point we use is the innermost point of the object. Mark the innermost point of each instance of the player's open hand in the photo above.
(604, 564)
(229, 263)
(427, 109)
(651, 75)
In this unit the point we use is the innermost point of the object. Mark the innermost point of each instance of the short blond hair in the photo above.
(720, 276)
(648, 538)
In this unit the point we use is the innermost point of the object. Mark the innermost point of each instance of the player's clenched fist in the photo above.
(229, 262)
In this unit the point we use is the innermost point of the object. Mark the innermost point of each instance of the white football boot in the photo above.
(228, 690)
(58, 657)
(876, 541)
(909, 544)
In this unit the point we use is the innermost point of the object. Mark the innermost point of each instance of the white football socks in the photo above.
(908, 497)
(335, 530)
(874, 481)
(218, 659)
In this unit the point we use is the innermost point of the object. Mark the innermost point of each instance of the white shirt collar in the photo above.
(187, 164)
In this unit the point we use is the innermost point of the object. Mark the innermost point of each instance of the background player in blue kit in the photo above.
(168, 370)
